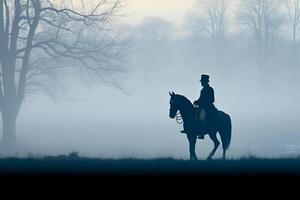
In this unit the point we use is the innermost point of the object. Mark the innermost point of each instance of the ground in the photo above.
(75, 165)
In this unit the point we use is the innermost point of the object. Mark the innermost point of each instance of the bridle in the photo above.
(179, 119)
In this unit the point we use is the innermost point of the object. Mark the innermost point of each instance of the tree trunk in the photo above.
(8, 127)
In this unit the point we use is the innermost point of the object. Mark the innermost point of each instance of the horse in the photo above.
(181, 106)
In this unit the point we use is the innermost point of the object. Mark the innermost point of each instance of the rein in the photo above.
(179, 119)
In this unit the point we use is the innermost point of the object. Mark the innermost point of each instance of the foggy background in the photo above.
(259, 91)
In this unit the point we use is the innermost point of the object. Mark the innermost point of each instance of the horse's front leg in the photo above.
(216, 145)
(192, 144)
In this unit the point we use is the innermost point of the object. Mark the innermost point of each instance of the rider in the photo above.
(205, 104)
(205, 108)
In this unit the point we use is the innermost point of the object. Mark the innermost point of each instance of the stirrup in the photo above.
(201, 137)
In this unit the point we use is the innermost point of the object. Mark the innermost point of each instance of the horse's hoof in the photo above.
(209, 158)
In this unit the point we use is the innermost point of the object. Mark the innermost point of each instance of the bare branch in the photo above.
(44, 31)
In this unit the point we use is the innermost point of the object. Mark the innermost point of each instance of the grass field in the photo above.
(75, 165)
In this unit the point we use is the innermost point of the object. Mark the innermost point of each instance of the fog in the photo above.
(105, 122)
(99, 120)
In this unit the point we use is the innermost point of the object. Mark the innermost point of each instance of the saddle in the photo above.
(201, 115)
(208, 118)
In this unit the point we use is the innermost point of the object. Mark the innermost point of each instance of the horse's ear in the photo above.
(170, 94)
(173, 93)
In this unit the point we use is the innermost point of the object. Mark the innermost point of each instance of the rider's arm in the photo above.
(199, 100)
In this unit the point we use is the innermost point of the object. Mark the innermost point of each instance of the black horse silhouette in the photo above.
(181, 105)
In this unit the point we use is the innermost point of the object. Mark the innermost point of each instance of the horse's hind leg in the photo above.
(214, 138)
(192, 143)
(224, 154)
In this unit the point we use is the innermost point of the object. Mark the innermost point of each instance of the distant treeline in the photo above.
(255, 40)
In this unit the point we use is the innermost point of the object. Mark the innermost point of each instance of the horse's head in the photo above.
(182, 104)
(174, 105)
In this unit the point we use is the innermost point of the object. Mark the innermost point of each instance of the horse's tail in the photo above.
(225, 130)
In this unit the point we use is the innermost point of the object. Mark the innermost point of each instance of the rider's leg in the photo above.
(202, 132)
(201, 114)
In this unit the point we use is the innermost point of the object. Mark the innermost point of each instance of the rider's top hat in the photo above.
(204, 78)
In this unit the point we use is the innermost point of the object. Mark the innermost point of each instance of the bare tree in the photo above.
(40, 37)
(262, 18)
(293, 12)
(210, 20)
(293, 8)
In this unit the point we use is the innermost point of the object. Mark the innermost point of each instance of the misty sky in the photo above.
(172, 10)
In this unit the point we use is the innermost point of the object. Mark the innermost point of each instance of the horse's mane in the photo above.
(184, 100)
